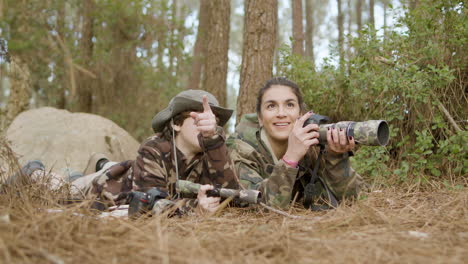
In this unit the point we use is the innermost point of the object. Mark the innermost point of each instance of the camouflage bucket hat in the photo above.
(190, 100)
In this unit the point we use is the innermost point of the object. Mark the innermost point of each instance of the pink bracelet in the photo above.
(293, 164)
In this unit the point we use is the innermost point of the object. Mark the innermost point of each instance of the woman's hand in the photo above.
(205, 203)
(205, 121)
(337, 141)
(301, 138)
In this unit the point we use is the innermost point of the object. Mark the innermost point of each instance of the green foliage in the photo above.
(413, 77)
(137, 58)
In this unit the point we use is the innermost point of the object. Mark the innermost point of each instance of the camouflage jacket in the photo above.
(278, 182)
(155, 167)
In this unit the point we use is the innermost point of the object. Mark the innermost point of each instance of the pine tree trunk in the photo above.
(216, 61)
(84, 91)
(359, 16)
(199, 50)
(371, 13)
(309, 36)
(340, 35)
(62, 65)
(181, 13)
(298, 29)
(385, 17)
(20, 89)
(172, 42)
(413, 4)
(161, 38)
(260, 26)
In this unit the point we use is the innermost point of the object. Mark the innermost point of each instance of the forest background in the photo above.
(125, 59)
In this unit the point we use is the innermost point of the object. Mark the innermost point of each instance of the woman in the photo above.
(278, 156)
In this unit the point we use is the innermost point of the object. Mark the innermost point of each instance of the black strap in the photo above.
(312, 189)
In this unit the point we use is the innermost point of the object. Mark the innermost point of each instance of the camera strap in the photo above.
(175, 157)
(314, 188)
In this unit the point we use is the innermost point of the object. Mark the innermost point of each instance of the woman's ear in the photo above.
(260, 122)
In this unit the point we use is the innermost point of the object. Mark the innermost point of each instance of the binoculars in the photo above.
(371, 132)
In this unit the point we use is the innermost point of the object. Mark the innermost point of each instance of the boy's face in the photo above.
(187, 136)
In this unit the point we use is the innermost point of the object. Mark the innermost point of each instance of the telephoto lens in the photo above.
(370, 132)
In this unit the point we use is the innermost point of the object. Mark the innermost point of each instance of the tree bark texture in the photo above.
(309, 35)
(172, 43)
(61, 73)
(20, 89)
(298, 28)
(359, 16)
(216, 60)
(260, 26)
(371, 13)
(199, 49)
(84, 92)
(340, 35)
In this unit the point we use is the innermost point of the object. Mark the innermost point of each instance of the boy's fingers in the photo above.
(194, 115)
(206, 105)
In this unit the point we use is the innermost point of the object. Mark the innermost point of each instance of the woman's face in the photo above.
(279, 111)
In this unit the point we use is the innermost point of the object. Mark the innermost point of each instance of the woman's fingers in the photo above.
(300, 122)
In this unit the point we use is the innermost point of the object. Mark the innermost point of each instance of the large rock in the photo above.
(64, 141)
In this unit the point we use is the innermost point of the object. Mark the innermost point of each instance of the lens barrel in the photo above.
(371, 132)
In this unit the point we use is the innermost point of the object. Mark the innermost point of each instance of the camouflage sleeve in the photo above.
(275, 182)
(219, 165)
(340, 176)
(149, 169)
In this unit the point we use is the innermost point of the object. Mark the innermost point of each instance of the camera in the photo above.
(142, 202)
(370, 132)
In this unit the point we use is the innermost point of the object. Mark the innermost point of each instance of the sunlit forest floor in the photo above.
(385, 226)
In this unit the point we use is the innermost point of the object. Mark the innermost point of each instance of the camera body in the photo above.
(142, 202)
(371, 132)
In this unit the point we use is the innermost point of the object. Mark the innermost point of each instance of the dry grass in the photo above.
(389, 226)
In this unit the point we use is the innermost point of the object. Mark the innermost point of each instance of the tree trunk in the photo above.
(413, 4)
(20, 89)
(340, 35)
(161, 38)
(349, 30)
(216, 61)
(181, 13)
(62, 65)
(359, 16)
(309, 36)
(199, 50)
(371, 13)
(172, 42)
(349, 11)
(385, 18)
(84, 93)
(298, 29)
(260, 25)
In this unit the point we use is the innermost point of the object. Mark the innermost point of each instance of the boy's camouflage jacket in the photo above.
(278, 182)
(154, 167)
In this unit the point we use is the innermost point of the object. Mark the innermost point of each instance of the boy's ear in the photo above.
(175, 127)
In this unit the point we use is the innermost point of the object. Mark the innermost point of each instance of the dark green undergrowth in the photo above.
(415, 77)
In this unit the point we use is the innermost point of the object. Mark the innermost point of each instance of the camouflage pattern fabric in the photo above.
(155, 167)
(278, 182)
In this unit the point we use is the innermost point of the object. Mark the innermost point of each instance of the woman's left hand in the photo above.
(337, 141)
